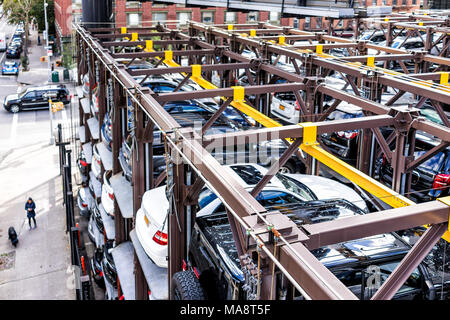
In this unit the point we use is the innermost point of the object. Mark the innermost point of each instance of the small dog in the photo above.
(12, 235)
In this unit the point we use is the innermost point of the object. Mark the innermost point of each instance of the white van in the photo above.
(3, 44)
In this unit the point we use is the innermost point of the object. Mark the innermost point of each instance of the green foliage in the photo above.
(37, 12)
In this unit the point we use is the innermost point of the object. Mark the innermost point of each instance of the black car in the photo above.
(13, 52)
(108, 265)
(431, 179)
(214, 270)
(96, 267)
(36, 98)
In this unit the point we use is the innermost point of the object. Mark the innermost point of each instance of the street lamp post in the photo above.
(52, 139)
(46, 41)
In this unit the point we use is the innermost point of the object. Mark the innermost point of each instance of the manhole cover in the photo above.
(7, 260)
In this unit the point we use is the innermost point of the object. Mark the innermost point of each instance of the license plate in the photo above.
(281, 107)
(146, 220)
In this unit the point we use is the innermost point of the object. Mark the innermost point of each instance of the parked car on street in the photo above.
(151, 218)
(10, 67)
(36, 97)
(13, 52)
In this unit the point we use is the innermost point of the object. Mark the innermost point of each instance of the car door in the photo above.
(29, 100)
(41, 98)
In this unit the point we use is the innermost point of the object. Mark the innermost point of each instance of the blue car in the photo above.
(10, 67)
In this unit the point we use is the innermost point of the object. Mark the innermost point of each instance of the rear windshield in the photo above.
(340, 115)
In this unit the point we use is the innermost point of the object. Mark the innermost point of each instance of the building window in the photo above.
(159, 17)
(295, 23)
(183, 17)
(274, 17)
(319, 23)
(340, 24)
(253, 16)
(404, 2)
(134, 19)
(208, 17)
(394, 2)
(307, 24)
(133, 4)
(414, 2)
(230, 17)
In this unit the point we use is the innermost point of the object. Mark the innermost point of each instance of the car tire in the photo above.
(185, 286)
(15, 108)
(287, 168)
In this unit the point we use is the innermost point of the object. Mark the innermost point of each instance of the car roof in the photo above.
(47, 87)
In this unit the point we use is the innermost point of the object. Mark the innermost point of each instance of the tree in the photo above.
(37, 12)
(18, 11)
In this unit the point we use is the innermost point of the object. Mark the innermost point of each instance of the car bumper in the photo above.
(125, 167)
(84, 211)
(157, 253)
(291, 118)
(10, 72)
(107, 203)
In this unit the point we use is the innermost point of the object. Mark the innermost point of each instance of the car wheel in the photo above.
(287, 168)
(185, 286)
(15, 108)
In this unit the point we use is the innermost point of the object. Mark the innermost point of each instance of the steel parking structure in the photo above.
(283, 246)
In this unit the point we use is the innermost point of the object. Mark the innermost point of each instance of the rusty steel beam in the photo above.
(228, 92)
(346, 229)
(295, 131)
(205, 68)
(129, 34)
(318, 282)
(142, 43)
(154, 54)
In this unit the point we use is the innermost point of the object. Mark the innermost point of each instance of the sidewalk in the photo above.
(38, 71)
(42, 256)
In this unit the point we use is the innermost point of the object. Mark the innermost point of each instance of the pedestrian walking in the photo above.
(29, 208)
(39, 40)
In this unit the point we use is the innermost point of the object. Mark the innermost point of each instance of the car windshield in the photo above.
(395, 44)
(433, 164)
(296, 187)
(10, 63)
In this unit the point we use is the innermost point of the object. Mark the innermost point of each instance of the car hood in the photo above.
(325, 188)
(156, 206)
(12, 97)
